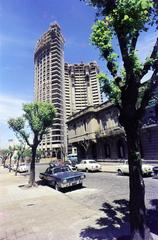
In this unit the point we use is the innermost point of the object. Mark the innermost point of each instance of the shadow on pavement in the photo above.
(115, 224)
(64, 190)
(152, 216)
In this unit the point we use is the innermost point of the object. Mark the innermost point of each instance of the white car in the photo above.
(23, 168)
(14, 167)
(147, 169)
(88, 165)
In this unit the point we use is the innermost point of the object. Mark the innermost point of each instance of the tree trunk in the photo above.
(138, 226)
(32, 167)
(17, 165)
(10, 162)
(4, 162)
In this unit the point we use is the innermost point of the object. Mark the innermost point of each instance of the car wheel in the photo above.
(57, 187)
(119, 172)
(80, 185)
(87, 170)
(44, 182)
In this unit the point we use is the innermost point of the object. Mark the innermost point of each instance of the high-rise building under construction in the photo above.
(70, 87)
(49, 85)
(82, 87)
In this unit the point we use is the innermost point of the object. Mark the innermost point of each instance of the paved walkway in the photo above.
(42, 213)
(39, 213)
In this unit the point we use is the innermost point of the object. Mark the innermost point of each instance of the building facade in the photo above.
(49, 85)
(97, 134)
(82, 87)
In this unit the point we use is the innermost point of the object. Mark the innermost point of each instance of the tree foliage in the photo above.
(38, 116)
(124, 20)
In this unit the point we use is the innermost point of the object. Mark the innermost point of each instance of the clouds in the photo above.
(10, 107)
(19, 41)
(146, 43)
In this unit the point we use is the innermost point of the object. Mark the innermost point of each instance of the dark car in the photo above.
(155, 170)
(60, 176)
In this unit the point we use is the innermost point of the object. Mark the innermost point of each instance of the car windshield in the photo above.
(92, 161)
(61, 169)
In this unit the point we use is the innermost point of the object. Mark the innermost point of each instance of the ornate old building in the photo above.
(97, 134)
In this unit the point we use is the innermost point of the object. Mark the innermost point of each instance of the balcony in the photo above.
(82, 137)
(109, 132)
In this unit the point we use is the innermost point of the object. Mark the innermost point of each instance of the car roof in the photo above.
(88, 160)
(53, 165)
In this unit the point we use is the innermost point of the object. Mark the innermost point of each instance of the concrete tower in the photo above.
(49, 85)
(82, 87)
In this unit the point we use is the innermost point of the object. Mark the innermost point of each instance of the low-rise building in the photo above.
(97, 134)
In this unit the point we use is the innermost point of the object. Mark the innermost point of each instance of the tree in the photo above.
(26, 155)
(125, 21)
(5, 154)
(37, 117)
(63, 152)
(10, 154)
(38, 155)
(20, 151)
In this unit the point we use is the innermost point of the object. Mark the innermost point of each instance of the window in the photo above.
(121, 149)
(107, 151)
(85, 125)
(49, 171)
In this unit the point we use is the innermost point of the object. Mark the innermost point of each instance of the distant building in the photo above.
(82, 87)
(49, 85)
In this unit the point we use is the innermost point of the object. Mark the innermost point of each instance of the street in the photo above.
(101, 187)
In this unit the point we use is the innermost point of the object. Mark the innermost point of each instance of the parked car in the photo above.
(155, 171)
(22, 168)
(88, 165)
(71, 165)
(147, 169)
(14, 167)
(60, 176)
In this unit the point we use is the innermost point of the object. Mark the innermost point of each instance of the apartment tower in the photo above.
(82, 87)
(49, 85)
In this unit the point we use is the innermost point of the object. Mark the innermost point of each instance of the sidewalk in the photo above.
(39, 213)
(43, 213)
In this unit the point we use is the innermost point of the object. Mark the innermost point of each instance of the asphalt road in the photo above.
(101, 187)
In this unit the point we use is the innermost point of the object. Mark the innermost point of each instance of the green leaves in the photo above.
(124, 20)
(110, 88)
(132, 14)
(102, 38)
(137, 65)
(16, 124)
(38, 115)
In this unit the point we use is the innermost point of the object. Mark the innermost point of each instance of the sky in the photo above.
(22, 22)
